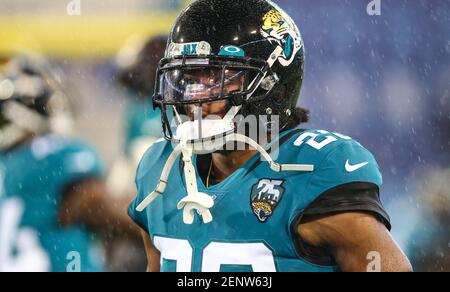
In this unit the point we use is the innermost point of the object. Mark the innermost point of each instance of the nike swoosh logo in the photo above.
(352, 168)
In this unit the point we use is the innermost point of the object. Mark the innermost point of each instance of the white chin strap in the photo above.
(195, 200)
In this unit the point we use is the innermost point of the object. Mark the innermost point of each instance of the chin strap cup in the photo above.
(194, 200)
(188, 212)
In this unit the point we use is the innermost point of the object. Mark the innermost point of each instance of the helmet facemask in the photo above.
(204, 95)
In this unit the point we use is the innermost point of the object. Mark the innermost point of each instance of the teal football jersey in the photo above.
(32, 179)
(254, 208)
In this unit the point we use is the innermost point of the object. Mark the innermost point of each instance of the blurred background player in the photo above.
(430, 241)
(136, 63)
(53, 197)
(137, 76)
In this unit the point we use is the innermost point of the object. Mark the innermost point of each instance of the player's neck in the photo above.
(225, 164)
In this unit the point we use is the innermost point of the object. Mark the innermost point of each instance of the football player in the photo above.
(212, 198)
(52, 194)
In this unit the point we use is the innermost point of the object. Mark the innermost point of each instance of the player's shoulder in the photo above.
(315, 146)
(154, 158)
(337, 158)
(69, 155)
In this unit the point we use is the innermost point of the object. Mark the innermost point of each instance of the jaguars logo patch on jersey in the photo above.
(265, 197)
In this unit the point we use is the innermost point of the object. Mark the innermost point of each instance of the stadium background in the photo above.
(384, 80)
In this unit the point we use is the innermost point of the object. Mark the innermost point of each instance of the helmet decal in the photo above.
(232, 51)
(189, 49)
(281, 30)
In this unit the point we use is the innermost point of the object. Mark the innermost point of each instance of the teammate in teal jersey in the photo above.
(137, 62)
(52, 194)
(236, 185)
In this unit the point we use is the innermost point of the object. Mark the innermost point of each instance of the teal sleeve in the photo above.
(349, 162)
(140, 218)
(147, 178)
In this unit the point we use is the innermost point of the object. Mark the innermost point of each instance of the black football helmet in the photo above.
(251, 52)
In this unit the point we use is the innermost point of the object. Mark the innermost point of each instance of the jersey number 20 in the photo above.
(216, 254)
